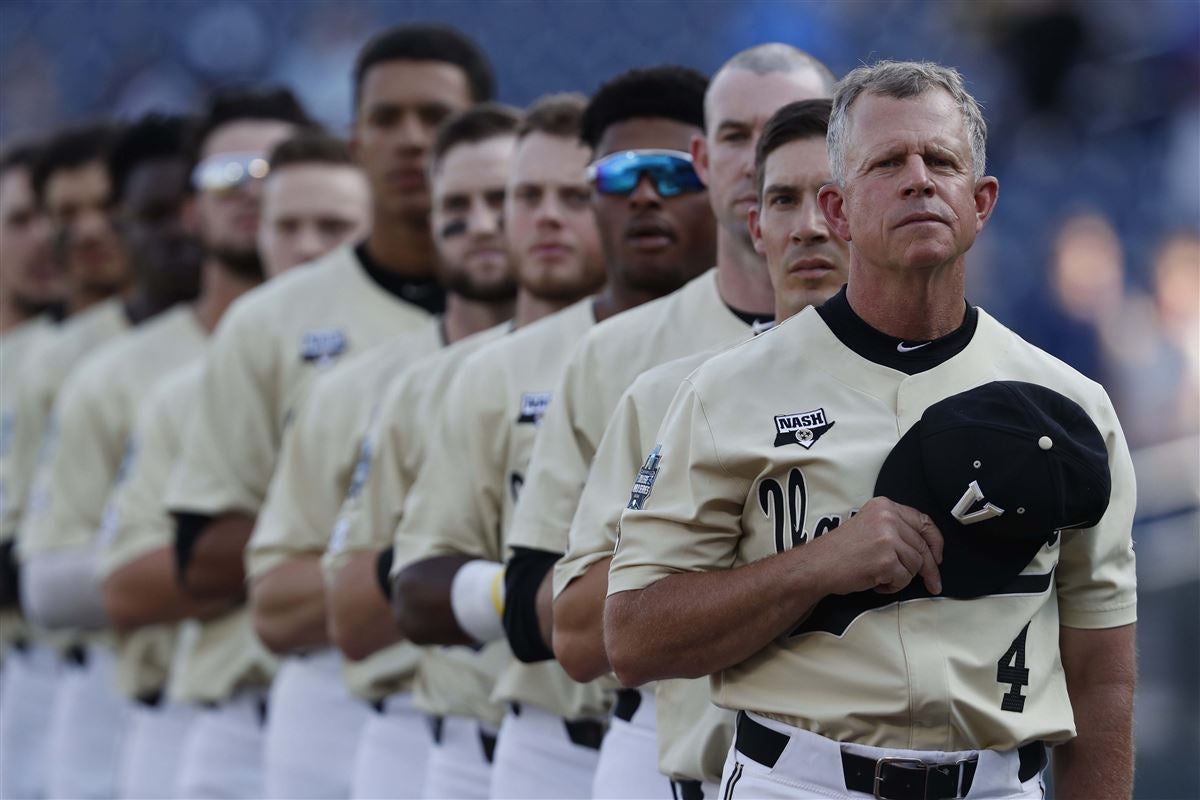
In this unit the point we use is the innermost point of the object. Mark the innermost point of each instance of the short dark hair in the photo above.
(71, 148)
(670, 92)
(22, 155)
(235, 105)
(804, 119)
(310, 147)
(428, 43)
(555, 115)
(153, 137)
(476, 124)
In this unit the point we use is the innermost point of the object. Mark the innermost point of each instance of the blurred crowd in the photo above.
(148, 164)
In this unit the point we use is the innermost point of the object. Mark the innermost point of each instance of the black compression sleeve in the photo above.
(522, 578)
(188, 530)
(383, 569)
(10, 575)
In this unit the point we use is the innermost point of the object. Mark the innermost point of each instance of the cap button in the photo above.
(1045, 443)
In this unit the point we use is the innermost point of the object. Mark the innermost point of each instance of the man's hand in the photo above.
(884, 546)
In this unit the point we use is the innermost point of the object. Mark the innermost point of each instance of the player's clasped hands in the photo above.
(883, 547)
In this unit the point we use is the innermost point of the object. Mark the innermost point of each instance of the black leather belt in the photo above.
(687, 790)
(151, 699)
(76, 655)
(587, 733)
(887, 778)
(628, 701)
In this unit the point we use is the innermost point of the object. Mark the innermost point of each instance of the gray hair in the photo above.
(902, 80)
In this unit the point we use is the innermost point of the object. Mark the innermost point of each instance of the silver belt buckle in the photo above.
(879, 765)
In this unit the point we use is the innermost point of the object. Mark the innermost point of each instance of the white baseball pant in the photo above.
(628, 763)
(537, 758)
(809, 765)
(153, 749)
(460, 763)
(87, 728)
(31, 681)
(393, 751)
(313, 729)
(222, 755)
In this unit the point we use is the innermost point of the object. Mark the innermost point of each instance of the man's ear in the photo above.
(699, 149)
(833, 206)
(987, 192)
(752, 221)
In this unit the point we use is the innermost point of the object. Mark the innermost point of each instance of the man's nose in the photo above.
(916, 177)
(810, 226)
(645, 193)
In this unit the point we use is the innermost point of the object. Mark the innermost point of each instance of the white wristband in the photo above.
(477, 599)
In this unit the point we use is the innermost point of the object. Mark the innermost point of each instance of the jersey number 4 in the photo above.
(1011, 669)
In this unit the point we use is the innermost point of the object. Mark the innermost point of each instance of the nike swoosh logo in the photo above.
(904, 348)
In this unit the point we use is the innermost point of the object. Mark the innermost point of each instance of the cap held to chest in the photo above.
(999, 468)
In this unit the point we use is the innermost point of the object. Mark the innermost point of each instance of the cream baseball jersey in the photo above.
(321, 447)
(93, 416)
(481, 447)
(268, 347)
(391, 451)
(611, 355)
(56, 355)
(136, 522)
(16, 346)
(777, 441)
(693, 734)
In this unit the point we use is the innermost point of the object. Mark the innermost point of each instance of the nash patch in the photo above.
(645, 479)
(323, 346)
(803, 429)
(533, 407)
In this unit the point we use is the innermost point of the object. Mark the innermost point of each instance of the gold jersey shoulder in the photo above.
(320, 448)
(267, 349)
(777, 442)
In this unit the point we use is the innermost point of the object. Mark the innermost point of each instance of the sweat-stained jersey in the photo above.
(136, 522)
(94, 415)
(268, 347)
(780, 439)
(321, 446)
(33, 396)
(392, 450)
(693, 734)
(463, 499)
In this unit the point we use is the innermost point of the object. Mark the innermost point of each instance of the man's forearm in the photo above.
(146, 592)
(694, 624)
(579, 624)
(215, 570)
(360, 619)
(288, 605)
(421, 601)
(1101, 677)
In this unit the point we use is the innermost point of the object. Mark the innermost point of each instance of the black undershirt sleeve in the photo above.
(189, 528)
(522, 578)
(383, 569)
(10, 575)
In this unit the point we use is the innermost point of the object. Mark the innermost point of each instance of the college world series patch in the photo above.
(533, 407)
(323, 346)
(803, 429)
(645, 479)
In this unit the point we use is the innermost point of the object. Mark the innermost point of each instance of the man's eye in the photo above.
(781, 200)
(575, 198)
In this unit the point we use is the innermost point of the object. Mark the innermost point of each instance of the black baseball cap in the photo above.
(999, 468)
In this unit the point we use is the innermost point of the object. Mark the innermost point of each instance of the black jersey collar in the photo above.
(757, 322)
(898, 354)
(424, 292)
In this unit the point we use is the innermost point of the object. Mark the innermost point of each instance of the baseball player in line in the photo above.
(655, 238)
(31, 294)
(468, 166)
(717, 309)
(554, 243)
(902, 546)
(807, 266)
(91, 420)
(142, 600)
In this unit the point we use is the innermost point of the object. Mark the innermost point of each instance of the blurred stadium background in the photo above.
(1093, 254)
